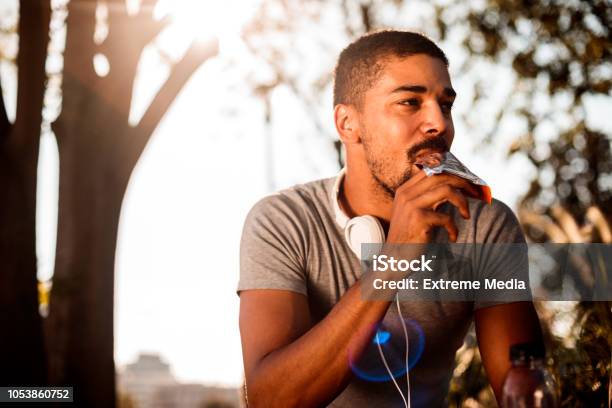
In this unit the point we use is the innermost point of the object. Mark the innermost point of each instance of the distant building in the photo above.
(196, 396)
(149, 383)
(141, 380)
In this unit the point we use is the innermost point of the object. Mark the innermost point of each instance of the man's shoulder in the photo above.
(495, 221)
(482, 209)
(489, 213)
(295, 200)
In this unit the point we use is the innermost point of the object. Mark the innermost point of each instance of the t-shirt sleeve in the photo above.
(272, 247)
(498, 224)
(502, 255)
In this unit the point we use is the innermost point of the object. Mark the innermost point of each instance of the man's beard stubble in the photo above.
(377, 166)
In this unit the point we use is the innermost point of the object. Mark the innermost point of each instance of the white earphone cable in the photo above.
(401, 317)
(406, 398)
(389, 370)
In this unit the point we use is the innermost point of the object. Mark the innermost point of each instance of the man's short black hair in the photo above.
(361, 63)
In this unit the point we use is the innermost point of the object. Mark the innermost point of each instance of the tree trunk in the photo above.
(80, 323)
(21, 341)
(98, 150)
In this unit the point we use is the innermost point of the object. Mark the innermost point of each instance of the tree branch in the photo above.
(598, 219)
(124, 55)
(182, 71)
(366, 18)
(567, 222)
(33, 40)
(554, 232)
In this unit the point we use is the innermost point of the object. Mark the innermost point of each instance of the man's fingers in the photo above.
(456, 182)
(412, 181)
(441, 194)
(424, 184)
(442, 220)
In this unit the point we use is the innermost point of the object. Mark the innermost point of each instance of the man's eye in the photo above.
(447, 106)
(410, 102)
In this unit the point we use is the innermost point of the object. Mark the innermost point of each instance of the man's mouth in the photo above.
(429, 158)
(429, 147)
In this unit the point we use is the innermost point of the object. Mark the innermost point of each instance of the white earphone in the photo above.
(357, 230)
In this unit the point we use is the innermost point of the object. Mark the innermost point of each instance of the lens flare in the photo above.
(381, 337)
(370, 367)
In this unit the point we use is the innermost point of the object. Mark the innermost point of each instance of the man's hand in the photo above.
(414, 213)
(497, 333)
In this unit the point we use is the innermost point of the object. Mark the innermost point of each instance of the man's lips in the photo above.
(429, 158)
(429, 151)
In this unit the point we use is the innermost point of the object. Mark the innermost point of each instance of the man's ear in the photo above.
(347, 123)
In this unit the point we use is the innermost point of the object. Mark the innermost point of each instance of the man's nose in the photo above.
(434, 121)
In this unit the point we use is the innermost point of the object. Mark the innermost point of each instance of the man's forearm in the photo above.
(314, 369)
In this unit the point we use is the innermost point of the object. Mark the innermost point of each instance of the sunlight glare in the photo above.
(204, 20)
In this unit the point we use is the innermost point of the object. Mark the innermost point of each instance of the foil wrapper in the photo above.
(436, 163)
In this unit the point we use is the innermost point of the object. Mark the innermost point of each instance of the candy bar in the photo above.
(436, 163)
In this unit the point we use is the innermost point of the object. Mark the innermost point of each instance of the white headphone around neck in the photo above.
(357, 230)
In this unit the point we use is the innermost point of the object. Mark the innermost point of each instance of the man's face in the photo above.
(405, 114)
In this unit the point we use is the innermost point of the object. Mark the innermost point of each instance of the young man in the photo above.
(303, 319)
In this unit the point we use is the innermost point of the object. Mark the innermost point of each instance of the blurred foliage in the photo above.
(8, 34)
(584, 370)
(560, 52)
(469, 385)
(580, 361)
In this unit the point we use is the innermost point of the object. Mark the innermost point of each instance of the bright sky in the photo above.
(177, 250)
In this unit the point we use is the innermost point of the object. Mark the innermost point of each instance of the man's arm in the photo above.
(287, 362)
(499, 327)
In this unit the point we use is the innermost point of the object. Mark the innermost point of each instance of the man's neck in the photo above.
(360, 194)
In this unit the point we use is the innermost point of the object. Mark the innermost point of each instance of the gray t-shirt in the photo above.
(291, 241)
